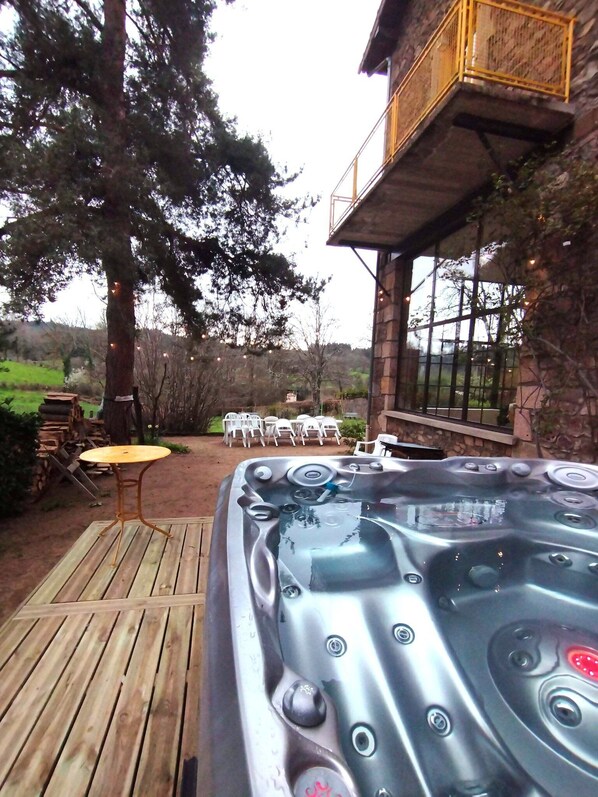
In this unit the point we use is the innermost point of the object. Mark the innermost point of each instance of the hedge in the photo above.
(18, 453)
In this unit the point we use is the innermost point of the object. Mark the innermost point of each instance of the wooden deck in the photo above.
(100, 668)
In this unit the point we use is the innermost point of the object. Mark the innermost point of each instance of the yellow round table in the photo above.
(115, 456)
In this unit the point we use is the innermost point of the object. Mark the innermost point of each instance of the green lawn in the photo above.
(29, 400)
(15, 378)
(21, 374)
(215, 424)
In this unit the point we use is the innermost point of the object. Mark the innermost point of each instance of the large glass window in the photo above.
(459, 357)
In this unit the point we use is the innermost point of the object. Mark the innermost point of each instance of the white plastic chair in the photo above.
(329, 427)
(253, 426)
(283, 429)
(310, 428)
(235, 428)
(268, 426)
(229, 423)
(297, 423)
(378, 449)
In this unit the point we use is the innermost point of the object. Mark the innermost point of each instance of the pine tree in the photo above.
(115, 161)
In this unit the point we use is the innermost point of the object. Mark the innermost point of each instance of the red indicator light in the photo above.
(320, 790)
(585, 661)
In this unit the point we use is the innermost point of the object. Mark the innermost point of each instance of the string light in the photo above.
(113, 345)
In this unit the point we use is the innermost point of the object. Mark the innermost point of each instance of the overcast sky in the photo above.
(288, 71)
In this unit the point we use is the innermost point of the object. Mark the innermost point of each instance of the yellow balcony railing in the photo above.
(497, 41)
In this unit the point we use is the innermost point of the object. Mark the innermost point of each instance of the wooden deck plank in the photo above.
(204, 553)
(169, 566)
(117, 605)
(158, 761)
(145, 577)
(91, 578)
(25, 659)
(20, 719)
(206, 536)
(61, 573)
(11, 636)
(179, 520)
(128, 565)
(77, 760)
(189, 566)
(118, 759)
(190, 737)
(35, 762)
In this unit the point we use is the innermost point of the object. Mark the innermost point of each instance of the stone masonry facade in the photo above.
(419, 20)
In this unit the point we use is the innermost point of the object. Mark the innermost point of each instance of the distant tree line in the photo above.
(184, 382)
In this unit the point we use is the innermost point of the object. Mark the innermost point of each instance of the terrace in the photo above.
(101, 668)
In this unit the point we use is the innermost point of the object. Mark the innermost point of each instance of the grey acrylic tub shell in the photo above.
(393, 628)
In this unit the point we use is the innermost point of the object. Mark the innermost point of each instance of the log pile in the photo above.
(64, 431)
(61, 415)
(95, 434)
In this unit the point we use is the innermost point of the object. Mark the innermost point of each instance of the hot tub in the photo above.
(392, 628)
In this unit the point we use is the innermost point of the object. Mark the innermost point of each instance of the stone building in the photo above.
(475, 87)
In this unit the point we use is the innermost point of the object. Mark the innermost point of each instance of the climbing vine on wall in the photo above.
(545, 218)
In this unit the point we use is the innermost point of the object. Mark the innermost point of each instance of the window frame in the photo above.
(497, 382)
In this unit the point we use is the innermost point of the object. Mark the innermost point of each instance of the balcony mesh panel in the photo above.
(522, 50)
(427, 82)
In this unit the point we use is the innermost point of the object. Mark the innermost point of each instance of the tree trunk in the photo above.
(117, 259)
(317, 396)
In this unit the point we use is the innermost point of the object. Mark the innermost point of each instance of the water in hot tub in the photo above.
(393, 605)
(346, 544)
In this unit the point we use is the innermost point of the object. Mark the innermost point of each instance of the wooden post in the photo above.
(138, 416)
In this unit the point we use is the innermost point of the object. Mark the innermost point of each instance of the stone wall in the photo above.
(453, 444)
(387, 324)
(418, 23)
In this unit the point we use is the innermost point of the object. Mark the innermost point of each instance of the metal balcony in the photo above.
(491, 84)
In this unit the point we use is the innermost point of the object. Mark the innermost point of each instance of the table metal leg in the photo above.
(122, 516)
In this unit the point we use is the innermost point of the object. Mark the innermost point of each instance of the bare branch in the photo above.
(140, 30)
(90, 15)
